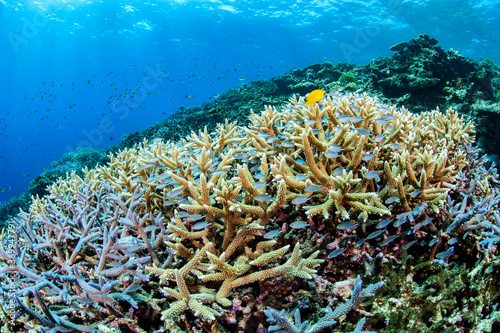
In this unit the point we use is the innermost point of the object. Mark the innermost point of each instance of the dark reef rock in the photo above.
(422, 75)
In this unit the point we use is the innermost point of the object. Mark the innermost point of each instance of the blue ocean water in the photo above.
(83, 73)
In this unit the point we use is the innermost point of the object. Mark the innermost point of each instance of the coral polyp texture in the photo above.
(172, 235)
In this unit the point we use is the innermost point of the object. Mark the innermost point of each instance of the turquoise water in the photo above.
(83, 73)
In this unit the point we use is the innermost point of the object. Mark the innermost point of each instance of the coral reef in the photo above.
(422, 70)
(420, 75)
(457, 288)
(285, 323)
(347, 77)
(73, 161)
(217, 230)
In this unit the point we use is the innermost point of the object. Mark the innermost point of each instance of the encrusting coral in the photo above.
(200, 213)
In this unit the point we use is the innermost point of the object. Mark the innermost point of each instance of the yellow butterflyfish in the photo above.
(314, 96)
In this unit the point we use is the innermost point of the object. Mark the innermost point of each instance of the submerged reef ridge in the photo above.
(420, 75)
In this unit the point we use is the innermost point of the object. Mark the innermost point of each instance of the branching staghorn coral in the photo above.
(276, 151)
(471, 205)
(292, 323)
(210, 198)
(73, 250)
(476, 207)
(392, 155)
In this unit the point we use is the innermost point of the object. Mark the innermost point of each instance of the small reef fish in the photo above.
(162, 177)
(399, 223)
(388, 240)
(174, 193)
(338, 171)
(240, 156)
(415, 194)
(346, 226)
(218, 173)
(359, 243)
(263, 198)
(201, 225)
(195, 217)
(331, 154)
(335, 148)
(407, 246)
(344, 119)
(272, 234)
(383, 224)
(391, 200)
(259, 185)
(356, 119)
(182, 214)
(368, 157)
(259, 175)
(300, 177)
(445, 254)
(434, 241)
(153, 160)
(370, 175)
(362, 131)
(299, 225)
(314, 96)
(336, 253)
(272, 140)
(336, 93)
(375, 234)
(300, 200)
(381, 121)
(313, 188)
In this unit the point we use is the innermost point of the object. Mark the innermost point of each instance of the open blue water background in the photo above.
(83, 73)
